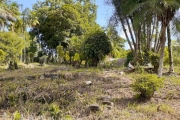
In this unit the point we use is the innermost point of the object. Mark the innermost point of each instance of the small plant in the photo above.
(54, 111)
(16, 116)
(146, 85)
(67, 117)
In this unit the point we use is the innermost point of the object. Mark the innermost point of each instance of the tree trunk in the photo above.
(15, 65)
(162, 46)
(144, 45)
(156, 37)
(149, 36)
(139, 40)
(125, 32)
(152, 33)
(171, 68)
(130, 31)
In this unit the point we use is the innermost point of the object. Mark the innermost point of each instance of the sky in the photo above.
(103, 11)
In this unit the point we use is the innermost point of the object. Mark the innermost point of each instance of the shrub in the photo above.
(146, 85)
(76, 60)
(77, 57)
(155, 61)
(42, 60)
(130, 57)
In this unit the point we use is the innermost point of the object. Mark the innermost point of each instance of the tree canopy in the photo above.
(96, 46)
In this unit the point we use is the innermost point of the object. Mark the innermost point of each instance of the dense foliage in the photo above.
(96, 46)
(12, 46)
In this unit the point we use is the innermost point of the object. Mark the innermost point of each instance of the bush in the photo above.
(155, 61)
(42, 60)
(146, 85)
(130, 57)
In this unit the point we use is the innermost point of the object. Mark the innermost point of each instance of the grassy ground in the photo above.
(69, 96)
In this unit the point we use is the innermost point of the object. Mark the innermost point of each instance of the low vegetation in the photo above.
(68, 96)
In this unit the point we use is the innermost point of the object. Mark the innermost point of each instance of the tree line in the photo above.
(63, 31)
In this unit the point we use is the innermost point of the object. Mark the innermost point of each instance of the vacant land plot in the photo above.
(83, 94)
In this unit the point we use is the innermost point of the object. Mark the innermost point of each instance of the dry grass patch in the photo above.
(69, 97)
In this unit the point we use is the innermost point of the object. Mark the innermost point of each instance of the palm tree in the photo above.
(164, 10)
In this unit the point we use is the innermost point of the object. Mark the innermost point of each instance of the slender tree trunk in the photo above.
(144, 45)
(138, 45)
(136, 37)
(171, 68)
(153, 28)
(139, 40)
(156, 37)
(24, 51)
(148, 35)
(21, 57)
(124, 29)
(12, 28)
(130, 31)
(2, 26)
(158, 46)
(162, 46)
(152, 33)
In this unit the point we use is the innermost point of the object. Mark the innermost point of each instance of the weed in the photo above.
(17, 116)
